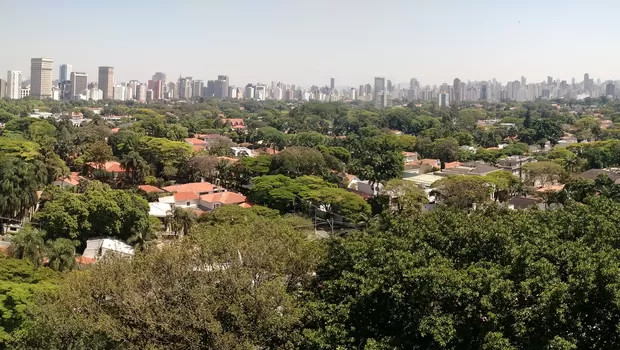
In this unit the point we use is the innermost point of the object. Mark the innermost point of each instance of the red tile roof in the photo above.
(245, 205)
(115, 130)
(109, 167)
(196, 141)
(151, 189)
(185, 196)
(451, 165)
(224, 198)
(73, 179)
(194, 187)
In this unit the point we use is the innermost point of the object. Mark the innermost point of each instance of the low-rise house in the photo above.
(196, 143)
(112, 167)
(514, 164)
(592, 174)
(242, 152)
(410, 157)
(470, 168)
(98, 248)
(151, 189)
(519, 202)
(215, 200)
(68, 182)
(194, 187)
(234, 123)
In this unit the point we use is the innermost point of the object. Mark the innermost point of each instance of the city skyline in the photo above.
(310, 42)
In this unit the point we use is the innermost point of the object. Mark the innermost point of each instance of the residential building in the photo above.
(119, 92)
(197, 86)
(157, 87)
(470, 168)
(106, 82)
(2, 88)
(79, 83)
(98, 248)
(444, 100)
(159, 76)
(25, 92)
(213, 201)
(185, 88)
(514, 164)
(41, 78)
(13, 84)
(221, 87)
(332, 83)
(65, 72)
(379, 92)
(141, 92)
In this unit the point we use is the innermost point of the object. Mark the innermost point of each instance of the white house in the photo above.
(97, 248)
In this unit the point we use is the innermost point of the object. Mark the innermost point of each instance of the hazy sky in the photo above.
(307, 42)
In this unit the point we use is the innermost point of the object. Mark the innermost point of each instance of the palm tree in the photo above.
(141, 239)
(182, 221)
(136, 166)
(61, 254)
(28, 244)
(19, 182)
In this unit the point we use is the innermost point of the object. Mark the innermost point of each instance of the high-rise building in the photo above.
(41, 77)
(332, 83)
(119, 92)
(456, 90)
(444, 99)
(141, 92)
(221, 86)
(484, 95)
(185, 88)
(106, 82)
(249, 92)
(13, 84)
(549, 80)
(157, 87)
(79, 83)
(2, 88)
(379, 91)
(65, 72)
(610, 89)
(523, 81)
(159, 76)
(197, 86)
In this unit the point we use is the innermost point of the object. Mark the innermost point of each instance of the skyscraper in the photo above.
(221, 86)
(41, 78)
(185, 88)
(14, 84)
(65, 72)
(197, 86)
(141, 92)
(2, 88)
(332, 83)
(157, 87)
(444, 99)
(456, 87)
(379, 91)
(79, 83)
(159, 76)
(106, 82)
(610, 89)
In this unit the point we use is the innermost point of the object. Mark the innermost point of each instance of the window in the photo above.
(188, 204)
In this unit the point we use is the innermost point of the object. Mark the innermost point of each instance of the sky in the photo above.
(308, 41)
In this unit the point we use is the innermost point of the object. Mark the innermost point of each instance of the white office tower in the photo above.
(261, 93)
(249, 92)
(14, 84)
(41, 78)
(65, 72)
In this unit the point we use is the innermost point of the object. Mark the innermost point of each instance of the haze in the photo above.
(307, 42)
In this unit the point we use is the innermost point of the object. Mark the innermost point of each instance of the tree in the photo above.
(61, 254)
(135, 166)
(310, 139)
(29, 244)
(220, 146)
(19, 148)
(446, 149)
(298, 161)
(488, 279)
(19, 182)
(182, 221)
(376, 159)
(235, 283)
(405, 195)
(271, 137)
(98, 153)
(545, 130)
(463, 191)
(542, 173)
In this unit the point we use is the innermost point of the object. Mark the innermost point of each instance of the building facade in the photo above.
(41, 78)
(106, 82)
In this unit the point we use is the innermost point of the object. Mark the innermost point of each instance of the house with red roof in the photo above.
(111, 167)
(234, 123)
(68, 181)
(151, 189)
(215, 200)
